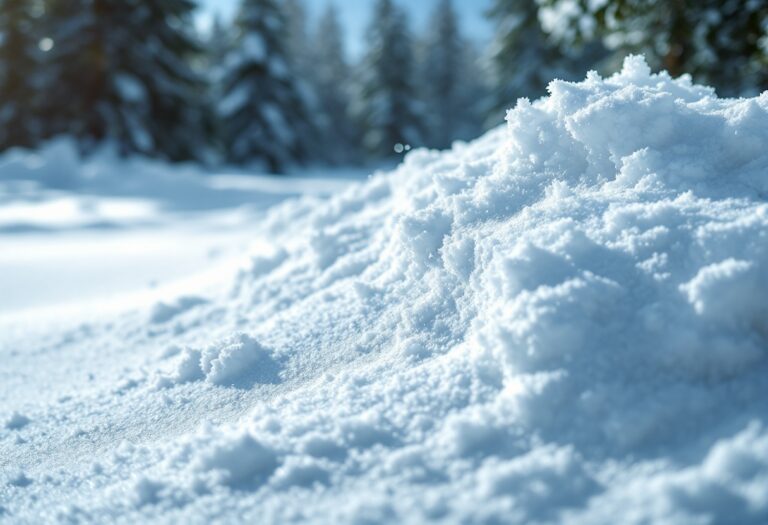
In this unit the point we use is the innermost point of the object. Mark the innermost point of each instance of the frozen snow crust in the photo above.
(563, 322)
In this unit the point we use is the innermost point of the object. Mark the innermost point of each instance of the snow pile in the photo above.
(563, 322)
(58, 166)
(238, 360)
(17, 421)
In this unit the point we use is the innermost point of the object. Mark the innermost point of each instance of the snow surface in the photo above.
(565, 321)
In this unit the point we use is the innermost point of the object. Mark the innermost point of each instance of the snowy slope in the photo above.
(75, 231)
(565, 321)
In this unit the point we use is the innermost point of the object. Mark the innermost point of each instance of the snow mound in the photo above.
(238, 360)
(240, 462)
(17, 421)
(163, 312)
(565, 321)
(57, 168)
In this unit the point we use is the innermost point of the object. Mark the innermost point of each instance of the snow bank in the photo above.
(563, 322)
(58, 166)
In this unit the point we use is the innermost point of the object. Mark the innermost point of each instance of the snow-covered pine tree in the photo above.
(734, 56)
(19, 72)
(331, 81)
(218, 45)
(449, 82)
(718, 42)
(119, 71)
(301, 61)
(178, 122)
(297, 38)
(524, 60)
(264, 114)
(442, 76)
(477, 91)
(388, 98)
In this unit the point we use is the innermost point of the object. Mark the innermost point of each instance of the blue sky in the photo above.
(356, 15)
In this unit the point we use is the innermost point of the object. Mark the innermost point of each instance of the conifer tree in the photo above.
(734, 55)
(451, 91)
(524, 60)
(718, 42)
(442, 76)
(301, 58)
(219, 44)
(476, 92)
(119, 71)
(390, 113)
(297, 39)
(331, 80)
(264, 114)
(19, 74)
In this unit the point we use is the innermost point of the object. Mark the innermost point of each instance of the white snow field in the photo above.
(564, 322)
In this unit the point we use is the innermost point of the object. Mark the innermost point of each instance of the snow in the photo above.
(565, 321)
(130, 88)
(17, 421)
(255, 48)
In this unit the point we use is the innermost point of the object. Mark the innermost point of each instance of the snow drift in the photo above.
(565, 321)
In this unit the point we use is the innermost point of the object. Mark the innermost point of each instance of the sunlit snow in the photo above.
(565, 321)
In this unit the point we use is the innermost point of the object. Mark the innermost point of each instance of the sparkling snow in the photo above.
(565, 321)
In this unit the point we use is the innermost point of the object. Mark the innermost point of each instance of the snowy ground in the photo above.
(95, 245)
(565, 321)
(126, 230)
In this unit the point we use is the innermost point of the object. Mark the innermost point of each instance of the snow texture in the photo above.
(563, 322)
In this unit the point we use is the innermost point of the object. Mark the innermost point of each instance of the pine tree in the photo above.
(718, 42)
(297, 39)
(331, 80)
(119, 71)
(19, 73)
(734, 55)
(264, 114)
(390, 113)
(524, 60)
(476, 92)
(218, 46)
(302, 63)
(451, 91)
(442, 72)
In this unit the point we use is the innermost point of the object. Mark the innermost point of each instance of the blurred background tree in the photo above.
(448, 88)
(341, 135)
(20, 72)
(120, 70)
(276, 86)
(719, 42)
(389, 106)
(265, 117)
(524, 58)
